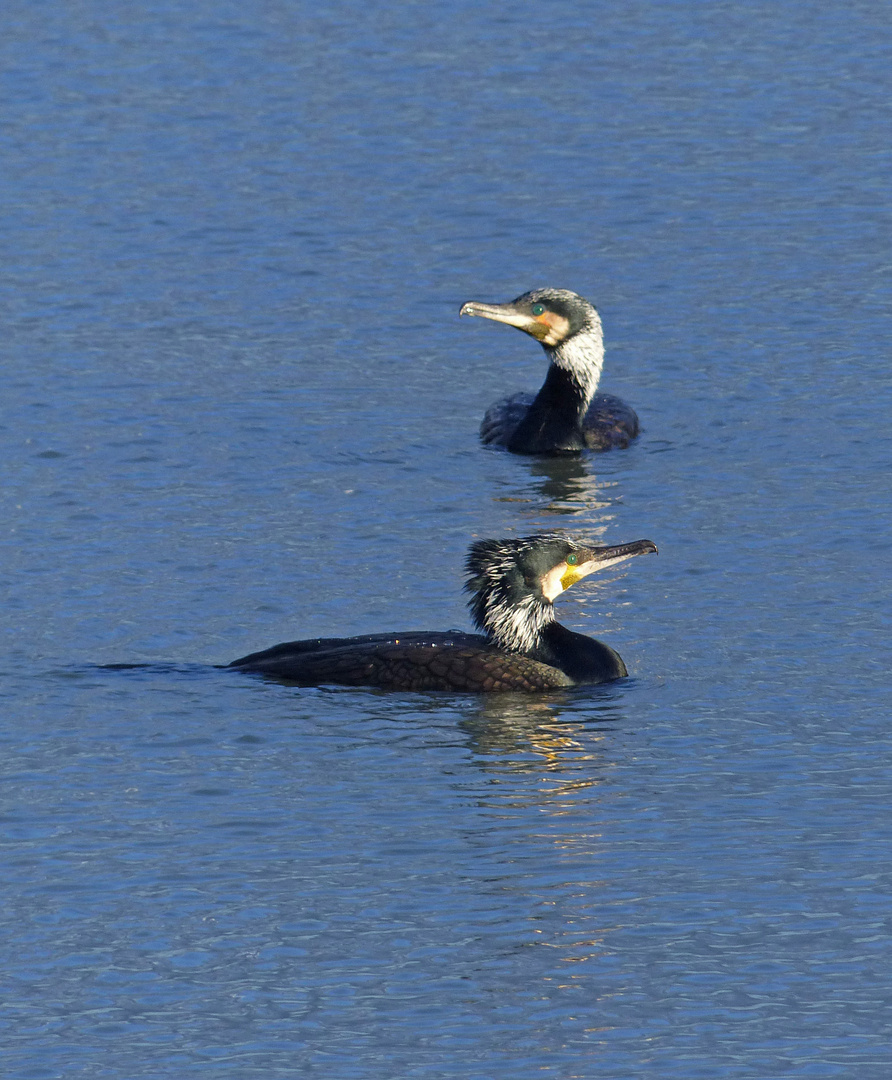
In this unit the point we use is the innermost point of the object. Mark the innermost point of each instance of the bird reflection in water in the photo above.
(564, 745)
(545, 764)
(563, 486)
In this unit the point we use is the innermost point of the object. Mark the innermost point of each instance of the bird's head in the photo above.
(514, 583)
(551, 316)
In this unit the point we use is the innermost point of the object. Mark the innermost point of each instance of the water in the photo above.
(238, 406)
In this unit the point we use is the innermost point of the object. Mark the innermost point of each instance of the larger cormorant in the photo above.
(566, 415)
(513, 585)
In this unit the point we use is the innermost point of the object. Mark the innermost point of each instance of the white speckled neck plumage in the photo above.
(517, 628)
(514, 623)
(582, 356)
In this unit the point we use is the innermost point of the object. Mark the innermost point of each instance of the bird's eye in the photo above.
(537, 309)
(572, 560)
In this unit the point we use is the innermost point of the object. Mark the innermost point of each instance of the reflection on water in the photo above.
(562, 744)
(551, 759)
(506, 722)
(564, 485)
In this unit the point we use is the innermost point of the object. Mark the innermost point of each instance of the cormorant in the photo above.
(513, 584)
(566, 415)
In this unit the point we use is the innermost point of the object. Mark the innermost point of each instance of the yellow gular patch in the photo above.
(563, 575)
(571, 576)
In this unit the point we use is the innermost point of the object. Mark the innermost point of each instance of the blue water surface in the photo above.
(238, 406)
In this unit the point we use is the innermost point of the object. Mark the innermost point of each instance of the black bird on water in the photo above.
(513, 585)
(566, 415)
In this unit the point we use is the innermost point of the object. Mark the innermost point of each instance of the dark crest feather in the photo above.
(504, 578)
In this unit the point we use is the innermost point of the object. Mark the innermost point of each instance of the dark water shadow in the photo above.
(144, 671)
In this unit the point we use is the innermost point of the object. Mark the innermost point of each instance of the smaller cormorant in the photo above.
(566, 415)
(513, 585)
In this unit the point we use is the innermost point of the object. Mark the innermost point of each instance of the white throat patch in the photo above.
(552, 586)
(582, 355)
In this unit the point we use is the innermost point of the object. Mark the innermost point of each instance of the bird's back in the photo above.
(609, 423)
(503, 418)
(412, 661)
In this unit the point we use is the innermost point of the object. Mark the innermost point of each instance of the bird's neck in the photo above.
(583, 658)
(582, 357)
(529, 627)
(518, 626)
(554, 420)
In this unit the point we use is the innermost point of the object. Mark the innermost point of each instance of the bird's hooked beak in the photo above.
(588, 561)
(542, 327)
